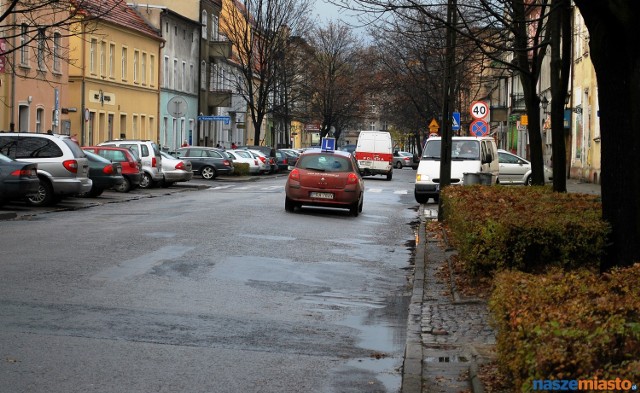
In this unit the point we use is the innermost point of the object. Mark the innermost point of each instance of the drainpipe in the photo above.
(83, 120)
(12, 123)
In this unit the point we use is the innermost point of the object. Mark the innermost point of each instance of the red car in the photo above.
(131, 164)
(325, 178)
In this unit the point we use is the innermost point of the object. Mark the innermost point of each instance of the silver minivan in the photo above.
(62, 166)
(149, 155)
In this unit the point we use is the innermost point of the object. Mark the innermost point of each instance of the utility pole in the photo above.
(447, 98)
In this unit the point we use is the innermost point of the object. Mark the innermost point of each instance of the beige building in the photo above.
(114, 75)
(582, 111)
(33, 71)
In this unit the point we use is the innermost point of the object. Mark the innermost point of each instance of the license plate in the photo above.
(364, 164)
(321, 195)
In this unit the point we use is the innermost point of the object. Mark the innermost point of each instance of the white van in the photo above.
(468, 155)
(374, 153)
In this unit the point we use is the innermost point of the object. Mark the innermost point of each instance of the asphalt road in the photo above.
(212, 289)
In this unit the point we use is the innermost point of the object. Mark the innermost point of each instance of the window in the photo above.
(41, 49)
(136, 63)
(24, 49)
(135, 126)
(166, 72)
(144, 68)
(112, 54)
(190, 87)
(103, 58)
(183, 84)
(124, 63)
(152, 70)
(214, 27)
(204, 24)
(203, 75)
(56, 51)
(39, 119)
(176, 79)
(92, 55)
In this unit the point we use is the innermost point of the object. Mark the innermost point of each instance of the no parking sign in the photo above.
(479, 128)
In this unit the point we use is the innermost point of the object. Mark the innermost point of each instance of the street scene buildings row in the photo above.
(161, 70)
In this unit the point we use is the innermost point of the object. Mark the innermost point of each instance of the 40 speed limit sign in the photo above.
(479, 110)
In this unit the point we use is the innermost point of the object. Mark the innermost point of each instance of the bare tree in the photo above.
(260, 31)
(338, 79)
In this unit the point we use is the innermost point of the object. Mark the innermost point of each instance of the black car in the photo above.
(103, 173)
(208, 162)
(17, 179)
(285, 159)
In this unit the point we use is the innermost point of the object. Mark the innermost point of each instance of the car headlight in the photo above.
(422, 177)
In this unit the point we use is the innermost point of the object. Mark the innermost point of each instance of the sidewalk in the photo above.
(448, 336)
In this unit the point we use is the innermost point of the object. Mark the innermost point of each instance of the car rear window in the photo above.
(325, 163)
(29, 147)
(113, 155)
(75, 148)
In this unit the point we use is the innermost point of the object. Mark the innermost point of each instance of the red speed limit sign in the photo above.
(479, 110)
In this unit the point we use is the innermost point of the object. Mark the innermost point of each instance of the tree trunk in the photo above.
(615, 52)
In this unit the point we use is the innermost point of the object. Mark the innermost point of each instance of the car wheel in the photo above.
(421, 198)
(289, 205)
(95, 192)
(354, 210)
(399, 165)
(44, 196)
(146, 181)
(125, 186)
(528, 181)
(208, 173)
(389, 175)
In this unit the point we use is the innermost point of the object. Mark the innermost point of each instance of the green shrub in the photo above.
(567, 325)
(524, 228)
(241, 169)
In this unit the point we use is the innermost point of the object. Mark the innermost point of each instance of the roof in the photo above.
(116, 12)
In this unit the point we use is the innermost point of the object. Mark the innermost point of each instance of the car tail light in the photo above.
(294, 175)
(352, 179)
(226, 163)
(71, 165)
(284, 162)
(133, 164)
(264, 160)
(108, 169)
(24, 173)
(154, 162)
(180, 165)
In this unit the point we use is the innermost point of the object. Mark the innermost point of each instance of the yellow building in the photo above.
(33, 70)
(114, 75)
(583, 109)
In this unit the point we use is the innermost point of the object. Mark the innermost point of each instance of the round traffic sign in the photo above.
(479, 128)
(479, 110)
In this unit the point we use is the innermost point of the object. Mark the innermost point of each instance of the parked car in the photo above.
(248, 158)
(404, 158)
(268, 152)
(514, 169)
(17, 179)
(208, 162)
(149, 154)
(175, 170)
(131, 164)
(103, 173)
(265, 162)
(325, 178)
(63, 167)
(284, 160)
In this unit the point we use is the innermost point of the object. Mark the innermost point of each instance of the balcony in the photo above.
(220, 49)
(517, 103)
(219, 98)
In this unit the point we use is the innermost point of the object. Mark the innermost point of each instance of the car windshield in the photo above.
(325, 163)
(460, 150)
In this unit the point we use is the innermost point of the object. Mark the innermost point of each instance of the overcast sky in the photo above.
(326, 12)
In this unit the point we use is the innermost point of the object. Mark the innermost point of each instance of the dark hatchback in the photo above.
(17, 179)
(208, 162)
(131, 164)
(325, 178)
(103, 173)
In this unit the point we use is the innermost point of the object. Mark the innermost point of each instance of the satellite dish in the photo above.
(177, 107)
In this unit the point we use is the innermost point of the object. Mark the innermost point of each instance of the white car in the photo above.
(516, 170)
(263, 160)
(247, 156)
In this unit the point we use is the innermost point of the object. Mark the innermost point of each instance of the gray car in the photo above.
(63, 168)
(208, 162)
(175, 170)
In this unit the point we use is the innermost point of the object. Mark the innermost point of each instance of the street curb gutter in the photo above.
(412, 369)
